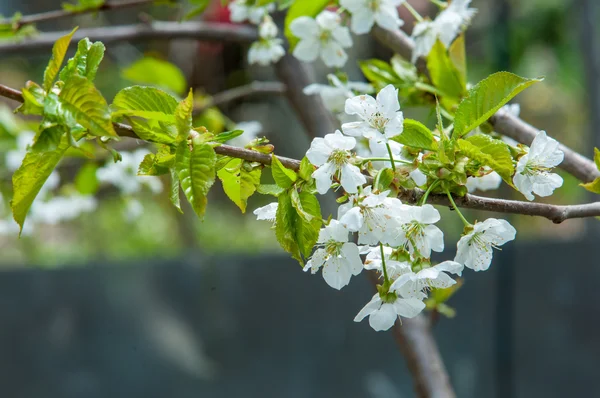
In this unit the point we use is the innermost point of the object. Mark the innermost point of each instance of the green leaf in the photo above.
(597, 157)
(379, 72)
(444, 74)
(285, 178)
(151, 104)
(307, 230)
(486, 98)
(86, 61)
(157, 73)
(489, 152)
(183, 117)
(33, 96)
(196, 172)
(86, 181)
(270, 189)
(299, 9)
(285, 222)
(48, 139)
(416, 135)
(385, 179)
(80, 101)
(31, 176)
(459, 58)
(227, 135)
(58, 55)
(174, 194)
(238, 183)
(151, 166)
(306, 169)
(593, 186)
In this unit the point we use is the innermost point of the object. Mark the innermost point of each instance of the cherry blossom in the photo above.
(533, 170)
(412, 284)
(242, 10)
(324, 37)
(383, 313)
(417, 232)
(269, 48)
(487, 182)
(332, 155)
(339, 258)
(381, 118)
(365, 13)
(268, 212)
(475, 248)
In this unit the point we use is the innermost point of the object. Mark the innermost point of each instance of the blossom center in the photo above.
(379, 122)
(325, 36)
(373, 5)
(533, 168)
(339, 157)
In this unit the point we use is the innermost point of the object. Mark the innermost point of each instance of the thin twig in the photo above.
(254, 88)
(208, 31)
(574, 163)
(57, 14)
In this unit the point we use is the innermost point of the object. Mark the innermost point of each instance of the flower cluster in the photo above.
(397, 239)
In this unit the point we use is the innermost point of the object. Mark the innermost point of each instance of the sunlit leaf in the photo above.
(58, 55)
(283, 177)
(157, 73)
(196, 172)
(238, 182)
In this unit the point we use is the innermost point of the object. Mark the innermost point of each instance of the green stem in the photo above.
(385, 274)
(439, 3)
(428, 191)
(414, 12)
(389, 149)
(376, 183)
(365, 160)
(464, 220)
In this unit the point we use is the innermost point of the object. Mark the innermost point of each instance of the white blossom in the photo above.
(324, 37)
(381, 118)
(242, 10)
(488, 182)
(412, 284)
(332, 155)
(394, 268)
(339, 258)
(269, 48)
(416, 231)
(383, 314)
(334, 95)
(533, 169)
(475, 248)
(268, 212)
(369, 215)
(61, 208)
(251, 130)
(446, 26)
(365, 13)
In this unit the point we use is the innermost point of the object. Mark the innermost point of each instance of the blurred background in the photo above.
(112, 292)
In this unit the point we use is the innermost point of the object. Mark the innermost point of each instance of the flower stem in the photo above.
(414, 12)
(364, 160)
(439, 3)
(391, 156)
(385, 274)
(428, 191)
(464, 220)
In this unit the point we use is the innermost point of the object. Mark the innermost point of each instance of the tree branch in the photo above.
(574, 163)
(50, 15)
(555, 213)
(209, 31)
(254, 88)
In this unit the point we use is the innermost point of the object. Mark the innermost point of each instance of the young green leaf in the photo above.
(33, 96)
(306, 169)
(307, 230)
(489, 152)
(196, 172)
(174, 194)
(148, 103)
(593, 186)
(285, 226)
(157, 73)
(270, 189)
(238, 183)
(81, 102)
(444, 75)
(416, 135)
(31, 176)
(486, 98)
(82, 5)
(86, 61)
(183, 117)
(284, 177)
(458, 57)
(227, 135)
(198, 8)
(58, 55)
(299, 9)
(150, 166)
(379, 72)
(597, 157)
